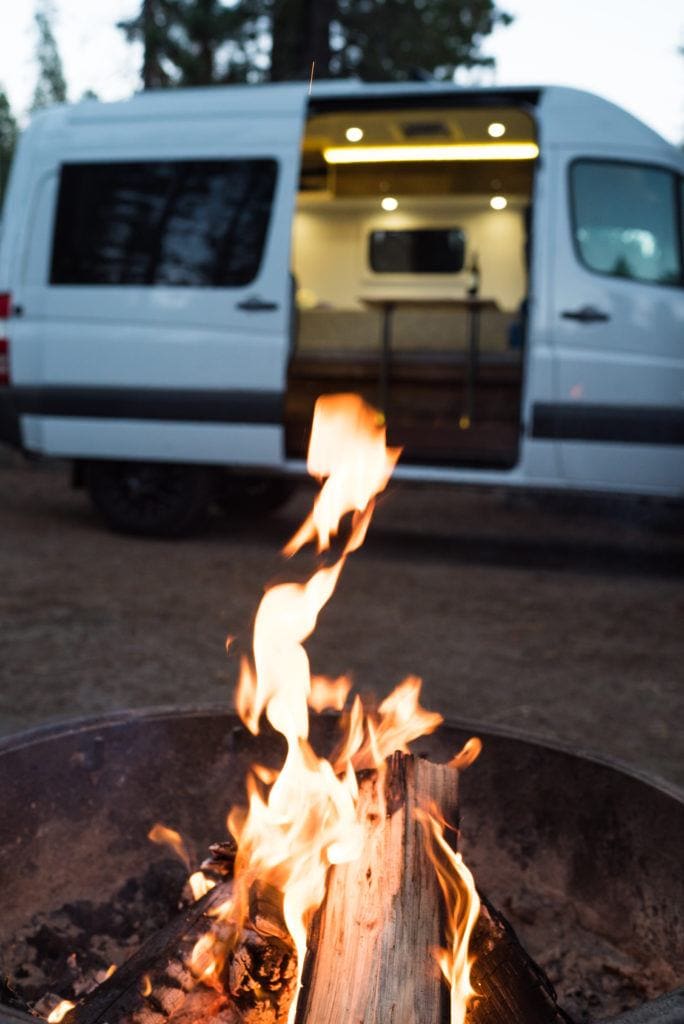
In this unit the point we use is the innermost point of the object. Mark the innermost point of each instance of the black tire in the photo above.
(150, 499)
(241, 494)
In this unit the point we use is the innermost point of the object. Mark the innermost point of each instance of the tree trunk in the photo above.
(300, 31)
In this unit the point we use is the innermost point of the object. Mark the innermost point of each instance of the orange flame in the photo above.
(469, 752)
(306, 820)
(462, 910)
(60, 1011)
(302, 820)
(169, 837)
(200, 884)
(328, 693)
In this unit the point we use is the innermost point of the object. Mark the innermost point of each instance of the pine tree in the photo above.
(8, 140)
(51, 85)
(200, 42)
(196, 42)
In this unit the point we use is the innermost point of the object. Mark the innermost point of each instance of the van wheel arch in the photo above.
(150, 499)
(240, 494)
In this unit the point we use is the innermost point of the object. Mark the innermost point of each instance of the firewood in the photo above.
(157, 985)
(371, 946)
(371, 956)
(513, 988)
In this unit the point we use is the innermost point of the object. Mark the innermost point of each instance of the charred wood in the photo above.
(252, 984)
(513, 988)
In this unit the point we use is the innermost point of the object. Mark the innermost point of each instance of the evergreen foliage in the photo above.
(202, 42)
(51, 85)
(8, 140)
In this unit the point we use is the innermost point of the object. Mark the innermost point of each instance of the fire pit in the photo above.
(342, 895)
(583, 858)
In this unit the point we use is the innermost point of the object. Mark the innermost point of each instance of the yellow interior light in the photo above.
(498, 202)
(496, 129)
(458, 151)
(353, 134)
(389, 203)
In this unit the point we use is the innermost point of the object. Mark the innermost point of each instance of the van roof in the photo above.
(565, 116)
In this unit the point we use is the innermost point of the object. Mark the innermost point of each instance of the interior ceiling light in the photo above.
(498, 202)
(353, 134)
(496, 129)
(403, 154)
(389, 203)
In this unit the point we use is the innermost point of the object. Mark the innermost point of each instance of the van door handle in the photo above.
(254, 304)
(585, 315)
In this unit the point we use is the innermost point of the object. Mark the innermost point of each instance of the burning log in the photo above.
(372, 945)
(251, 981)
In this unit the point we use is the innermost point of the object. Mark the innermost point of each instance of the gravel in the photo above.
(560, 617)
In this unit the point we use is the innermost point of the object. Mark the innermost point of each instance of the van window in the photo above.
(194, 223)
(625, 220)
(421, 251)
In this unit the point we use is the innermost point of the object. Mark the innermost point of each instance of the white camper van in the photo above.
(500, 271)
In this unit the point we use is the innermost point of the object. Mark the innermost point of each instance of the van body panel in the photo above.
(75, 437)
(232, 339)
(620, 377)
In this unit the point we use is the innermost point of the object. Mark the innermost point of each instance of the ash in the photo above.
(65, 953)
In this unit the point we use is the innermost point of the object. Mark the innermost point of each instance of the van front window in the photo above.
(625, 222)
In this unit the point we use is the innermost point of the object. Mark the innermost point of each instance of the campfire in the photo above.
(341, 896)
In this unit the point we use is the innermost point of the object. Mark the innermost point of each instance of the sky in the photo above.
(610, 47)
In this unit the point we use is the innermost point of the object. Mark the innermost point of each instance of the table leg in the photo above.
(385, 356)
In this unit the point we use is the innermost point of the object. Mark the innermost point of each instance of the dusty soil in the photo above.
(559, 617)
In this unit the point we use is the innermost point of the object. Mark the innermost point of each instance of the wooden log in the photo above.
(372, 944)
(513, 988)
(255, 983)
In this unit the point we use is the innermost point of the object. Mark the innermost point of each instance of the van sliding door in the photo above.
(163, 329)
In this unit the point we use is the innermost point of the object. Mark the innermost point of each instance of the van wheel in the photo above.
(244, 494)
(150, 499)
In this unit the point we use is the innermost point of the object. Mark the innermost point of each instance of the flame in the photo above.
(462, 909)
(305, 821)
(469, 752)
(110, 970)
(301, 820)
(329, 693)
(146, 985)
(169, 837)
(60, 1011)
(199, 884)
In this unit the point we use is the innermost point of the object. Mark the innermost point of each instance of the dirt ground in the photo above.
(562, 618)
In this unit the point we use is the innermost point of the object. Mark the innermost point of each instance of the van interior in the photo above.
(410, 261)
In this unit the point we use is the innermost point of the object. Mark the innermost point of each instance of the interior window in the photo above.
(625, 221)
(194, 223)
(422, 251)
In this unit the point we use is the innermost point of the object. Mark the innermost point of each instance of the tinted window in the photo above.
(198, 223)
(625, 220)
(430, 251)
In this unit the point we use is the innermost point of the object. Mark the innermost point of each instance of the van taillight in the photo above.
(5, 304)
(4, 362)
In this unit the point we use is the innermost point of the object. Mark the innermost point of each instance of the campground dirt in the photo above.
(562, 618)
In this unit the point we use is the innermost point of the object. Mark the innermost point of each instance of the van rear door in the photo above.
(617, 320)
(156, 295)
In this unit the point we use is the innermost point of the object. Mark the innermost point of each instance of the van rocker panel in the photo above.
(186, 405)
